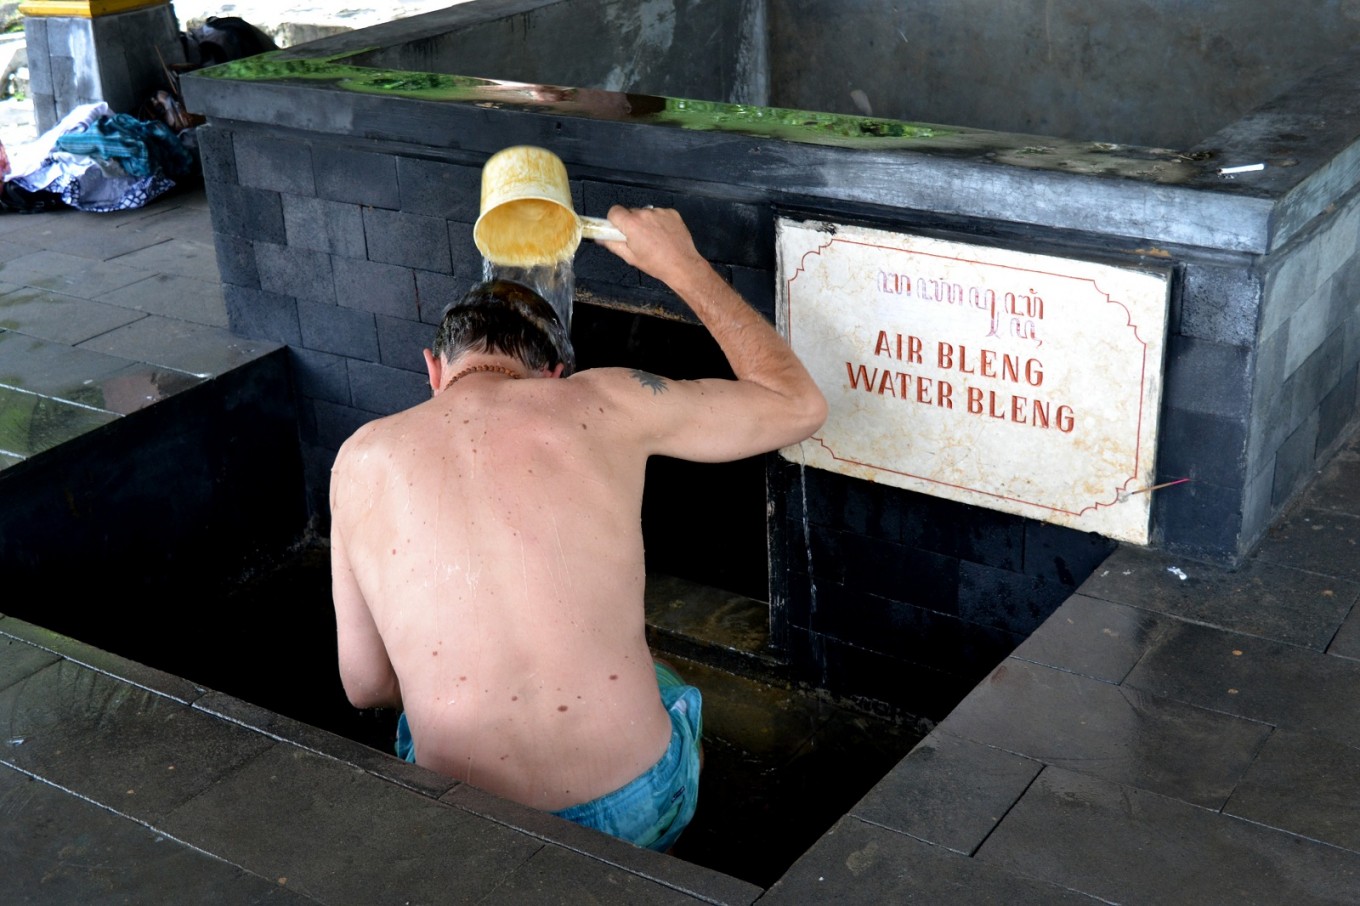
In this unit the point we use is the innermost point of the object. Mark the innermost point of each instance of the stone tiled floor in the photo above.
(104, 314)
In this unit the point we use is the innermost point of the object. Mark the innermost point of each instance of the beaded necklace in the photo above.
(498, 369)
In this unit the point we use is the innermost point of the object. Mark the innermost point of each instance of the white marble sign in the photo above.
(1024, 383)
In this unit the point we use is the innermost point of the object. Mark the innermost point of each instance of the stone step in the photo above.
(717, 627)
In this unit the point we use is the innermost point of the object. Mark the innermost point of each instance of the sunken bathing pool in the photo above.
(1070, 275)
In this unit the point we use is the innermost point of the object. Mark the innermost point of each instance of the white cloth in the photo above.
(31, 156)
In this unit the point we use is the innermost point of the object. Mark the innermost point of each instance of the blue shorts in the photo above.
(652, 809)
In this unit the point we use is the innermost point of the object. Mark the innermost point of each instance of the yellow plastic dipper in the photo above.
(527, 219)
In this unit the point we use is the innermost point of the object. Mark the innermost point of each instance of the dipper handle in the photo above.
(598, 228)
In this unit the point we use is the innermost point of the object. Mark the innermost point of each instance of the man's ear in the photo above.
(557, 372)
(434, 366)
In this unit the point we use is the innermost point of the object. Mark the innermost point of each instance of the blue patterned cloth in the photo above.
(652, 809)
(143, 149)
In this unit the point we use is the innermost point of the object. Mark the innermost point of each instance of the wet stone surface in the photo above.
(1120, 734)
(329, 807)
(1270, 793)
(78, 852)
(33, 423)
(1278, 600)
(880, 866)
(162, 755)
(1256, 679)
(949, 791)
(59, 318)
(1129, 845)
(1093, 638)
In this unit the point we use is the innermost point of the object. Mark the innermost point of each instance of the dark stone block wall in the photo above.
(901, 597)
(117, 536)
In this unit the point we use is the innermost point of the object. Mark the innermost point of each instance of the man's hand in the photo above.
(658, 244)
(773, 402)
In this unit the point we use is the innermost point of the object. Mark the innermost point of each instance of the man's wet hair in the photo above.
(501, 316)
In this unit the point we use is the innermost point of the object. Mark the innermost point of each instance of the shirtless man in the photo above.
(487, 549)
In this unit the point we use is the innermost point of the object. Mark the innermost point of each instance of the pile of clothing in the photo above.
(98, 160)
(95, 160)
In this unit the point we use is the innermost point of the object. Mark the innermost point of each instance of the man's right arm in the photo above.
(365, 667)
(774, 401)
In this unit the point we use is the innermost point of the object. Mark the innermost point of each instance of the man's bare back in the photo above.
(488, 559)
(503, 562)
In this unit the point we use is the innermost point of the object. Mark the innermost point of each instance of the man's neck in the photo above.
(482, 366)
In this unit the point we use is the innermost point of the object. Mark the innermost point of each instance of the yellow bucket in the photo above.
(526, 217)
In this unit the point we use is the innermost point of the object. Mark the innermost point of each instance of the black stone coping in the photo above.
(125, 781)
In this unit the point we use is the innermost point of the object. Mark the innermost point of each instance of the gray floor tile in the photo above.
(9, 459)
(31, 424)
(1098, 639)
(343, 836)
(198, 349)
(34, 229)
(59, 318)
(1347, 641)
(51, 228)
(19, 661)
(54, 369)
(948, 791)
(137, 386)
(1338, 487)
(1130, 846)
(14, 247)
(1317, 540)
(1114, 732)
(174, 687)
(1306, 785)
(673, 872)
(381, 764)
(1260, 680)
(161, 754)
(174, 296)
(110, 244)
(860, 863)
(73, 851)
(557, 875)
(1265, 599)
(183, 257)
(68, 274)
(187, 218)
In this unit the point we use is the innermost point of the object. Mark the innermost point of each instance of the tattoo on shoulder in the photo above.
(650, 381)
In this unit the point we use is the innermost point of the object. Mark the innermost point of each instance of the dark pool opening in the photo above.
(782, 764)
